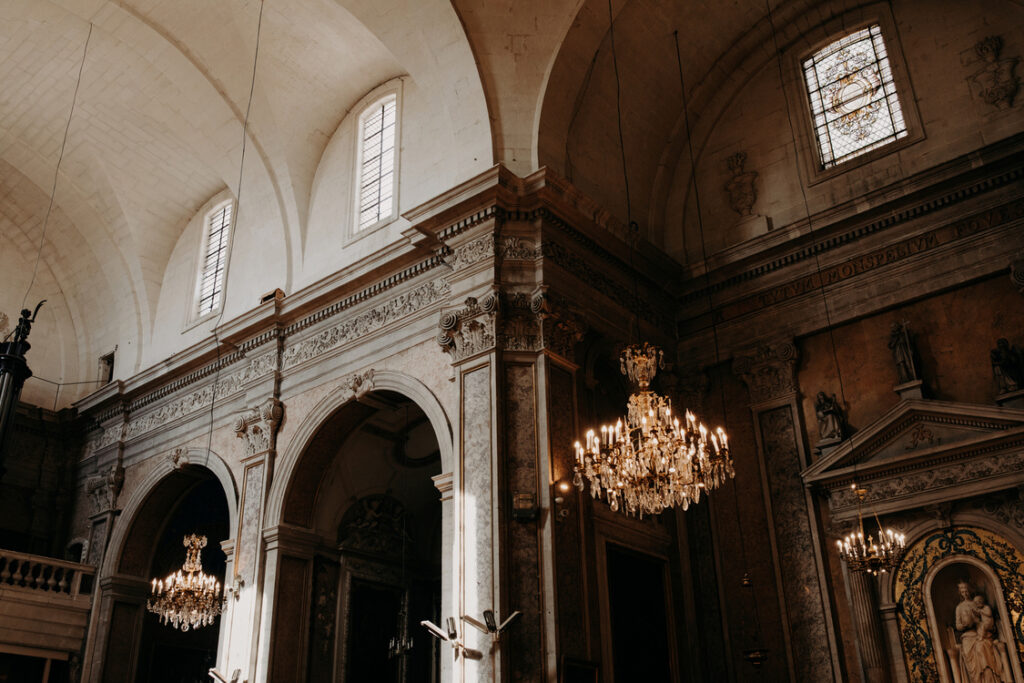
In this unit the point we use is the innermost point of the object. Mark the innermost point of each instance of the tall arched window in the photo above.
(375, 183)
(853, 98)
(217, 232)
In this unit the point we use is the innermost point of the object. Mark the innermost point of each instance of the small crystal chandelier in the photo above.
(863, 553)
(651, 461)
(188, 598)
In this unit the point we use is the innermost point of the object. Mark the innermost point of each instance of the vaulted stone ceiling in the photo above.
(157, 131)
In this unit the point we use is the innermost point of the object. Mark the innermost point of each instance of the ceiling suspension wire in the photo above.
(746, 582)
(238, 205)
(56, 170)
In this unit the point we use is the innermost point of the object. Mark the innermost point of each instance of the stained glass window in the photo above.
(853, 97)
(211, 284)
(377, 161)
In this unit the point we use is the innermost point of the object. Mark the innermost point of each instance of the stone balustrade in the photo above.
(44, 574)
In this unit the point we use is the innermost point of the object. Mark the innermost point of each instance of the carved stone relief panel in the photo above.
(769, 371)
(994, 80)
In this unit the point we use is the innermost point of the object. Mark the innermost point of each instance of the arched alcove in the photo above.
(362, 489)
(147, 543)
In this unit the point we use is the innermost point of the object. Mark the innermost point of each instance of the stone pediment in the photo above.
(922, 453)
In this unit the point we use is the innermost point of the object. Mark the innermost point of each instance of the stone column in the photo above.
(257, 427)
(868, 624)
(769, 371)
(467, 335)
(444, 483)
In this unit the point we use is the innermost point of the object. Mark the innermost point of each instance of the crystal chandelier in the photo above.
(651, 461)
(863, 553)
(188, 598)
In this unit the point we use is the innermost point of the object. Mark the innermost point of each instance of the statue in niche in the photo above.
(830, 417)
(1007, 367)
(740, 187)
(982, 655)
(995, 83)
(901, 345)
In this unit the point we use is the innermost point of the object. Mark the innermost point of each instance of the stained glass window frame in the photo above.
(894, 120)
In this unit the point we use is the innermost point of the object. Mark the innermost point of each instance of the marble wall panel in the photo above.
(478, 509)
(812, 660)
(249, 525)
(526, 639)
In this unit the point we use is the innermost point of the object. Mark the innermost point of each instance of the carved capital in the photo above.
(469, 330)
(258, 426)
(769, 370)
(104, 488)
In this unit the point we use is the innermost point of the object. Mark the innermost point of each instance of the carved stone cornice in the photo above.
(258, 426)
(768, 370)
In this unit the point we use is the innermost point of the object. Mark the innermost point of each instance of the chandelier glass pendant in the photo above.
(651, 460)
(188, 598)
(865, 554)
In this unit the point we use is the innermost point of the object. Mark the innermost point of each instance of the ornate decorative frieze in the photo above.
(258, 426)
(104, 488)
(934, 477)
(769, 371)
(472, 252)
(397, 309)
(513, 248)
(595, 278)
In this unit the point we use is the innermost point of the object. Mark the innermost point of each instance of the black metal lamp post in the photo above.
(13, 373)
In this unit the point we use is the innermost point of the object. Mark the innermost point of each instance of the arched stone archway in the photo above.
(184, 489)
(383, 445)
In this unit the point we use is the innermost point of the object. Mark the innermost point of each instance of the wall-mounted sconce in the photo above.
(491, 625)
(450, 635)
(524, 506)
(562, 489)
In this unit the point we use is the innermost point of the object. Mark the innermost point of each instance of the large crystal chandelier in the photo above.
(188, 598)
(865, 554)
(651, 461)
